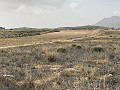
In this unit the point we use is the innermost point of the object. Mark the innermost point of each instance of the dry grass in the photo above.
(50, 37)
(41, 67)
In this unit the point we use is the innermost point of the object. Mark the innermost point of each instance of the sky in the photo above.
(55, 13)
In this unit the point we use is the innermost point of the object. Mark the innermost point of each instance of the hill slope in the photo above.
(113, 21)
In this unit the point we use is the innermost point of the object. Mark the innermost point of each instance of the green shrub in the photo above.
(78, 47)
(98, 49)
(61, 50)
(74, 45)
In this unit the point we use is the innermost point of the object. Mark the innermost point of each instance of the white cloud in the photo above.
(39, 6)
(20, 8)
(74, 5)
(46, 6)
(35, 10)
(32, 3)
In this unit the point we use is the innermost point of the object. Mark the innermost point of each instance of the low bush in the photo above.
(73, 45)
(98, 49)
(78, 47)
(61, 50)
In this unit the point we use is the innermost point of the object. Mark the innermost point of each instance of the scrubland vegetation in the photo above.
(88, 63)
(21, 33)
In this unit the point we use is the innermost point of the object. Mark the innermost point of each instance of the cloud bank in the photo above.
(38, 6)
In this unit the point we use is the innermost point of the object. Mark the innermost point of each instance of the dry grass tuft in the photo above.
(51, 58)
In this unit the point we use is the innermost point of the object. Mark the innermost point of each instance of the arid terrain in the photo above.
(45, 38)
(65, 60)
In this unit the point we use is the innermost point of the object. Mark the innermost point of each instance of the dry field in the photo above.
(66, 60)
(45, 38)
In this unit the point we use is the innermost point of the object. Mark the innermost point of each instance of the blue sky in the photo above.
(55, 13)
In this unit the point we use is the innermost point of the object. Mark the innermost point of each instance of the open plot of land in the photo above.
(104, 36)
(49, 37)
(90, 60)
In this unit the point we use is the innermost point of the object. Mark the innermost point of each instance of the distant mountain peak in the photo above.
(115, 17)
(112, 17)
(113, 21)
